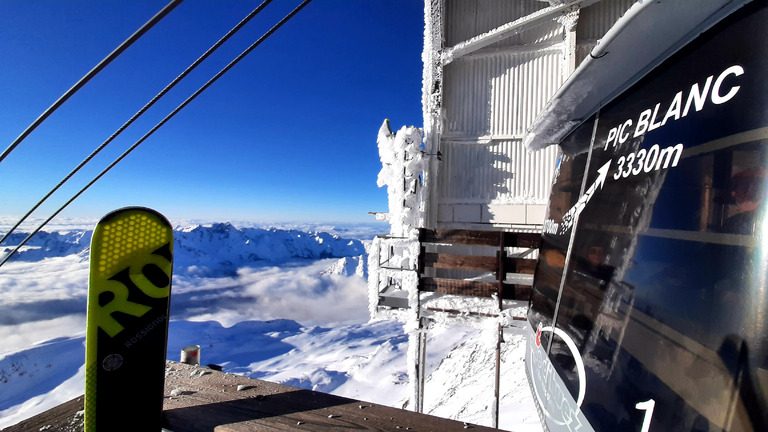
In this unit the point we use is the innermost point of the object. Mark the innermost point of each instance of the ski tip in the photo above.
(137, 209)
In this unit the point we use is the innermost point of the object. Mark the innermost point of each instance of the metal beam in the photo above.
(507, 30)
(432, 101)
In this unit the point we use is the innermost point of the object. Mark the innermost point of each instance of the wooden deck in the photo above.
(200, 399)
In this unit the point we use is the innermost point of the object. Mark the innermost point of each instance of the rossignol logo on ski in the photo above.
(145, 331)
(112, 362)
(126, 241)
(152, 279)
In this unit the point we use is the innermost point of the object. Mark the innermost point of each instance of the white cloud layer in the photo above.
(48, 298)
(299, 293)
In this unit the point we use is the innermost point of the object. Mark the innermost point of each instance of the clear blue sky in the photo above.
(289, 134)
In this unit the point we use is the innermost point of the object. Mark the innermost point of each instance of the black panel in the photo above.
(666, 291)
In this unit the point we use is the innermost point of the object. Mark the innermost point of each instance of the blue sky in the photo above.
(289, 134)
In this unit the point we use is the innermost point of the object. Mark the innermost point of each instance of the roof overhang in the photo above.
(648, 33)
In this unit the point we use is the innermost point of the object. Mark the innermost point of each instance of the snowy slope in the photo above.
(349, 266)
(40, 377)
(260, 302)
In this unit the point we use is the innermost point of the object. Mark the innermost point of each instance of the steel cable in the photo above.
(149, 104)
(92, 73)
(161, 123)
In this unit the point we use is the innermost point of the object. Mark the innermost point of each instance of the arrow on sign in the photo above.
(571, 215)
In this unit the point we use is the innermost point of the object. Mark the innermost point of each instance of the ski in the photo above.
(127, 325)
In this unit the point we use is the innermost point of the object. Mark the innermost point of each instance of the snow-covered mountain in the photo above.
(207, 248)
(224, 247)
(283, 305)
(47, 244)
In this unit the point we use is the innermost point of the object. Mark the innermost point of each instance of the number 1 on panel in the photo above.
(646, 406)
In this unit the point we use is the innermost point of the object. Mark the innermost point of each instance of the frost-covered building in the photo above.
(490, 67)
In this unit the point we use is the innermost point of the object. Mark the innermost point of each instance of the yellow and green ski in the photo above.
(127, 331)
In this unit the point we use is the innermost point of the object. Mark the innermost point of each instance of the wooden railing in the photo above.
(501, 265)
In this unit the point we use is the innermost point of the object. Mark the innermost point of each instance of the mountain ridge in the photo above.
(206, 248)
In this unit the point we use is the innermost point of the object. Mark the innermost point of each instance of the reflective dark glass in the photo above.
(665, 292)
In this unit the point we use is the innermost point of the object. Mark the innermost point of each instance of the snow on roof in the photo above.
(648, 33)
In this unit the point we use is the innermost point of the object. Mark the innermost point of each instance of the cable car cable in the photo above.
(93, 72)
(160, 124)
(149, 104)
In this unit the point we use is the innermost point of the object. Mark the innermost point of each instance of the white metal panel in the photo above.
(595, 20)
(503, 172)
(466, 97)
(498, 95)
(536, 171)
(520, 93)
(582, 51)
(489, 98)
(475, 173)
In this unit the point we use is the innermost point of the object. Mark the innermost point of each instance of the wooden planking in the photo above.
(500, 265)
(520, 265)
(471, 313)
(517, 292)
(464, 262)
(479, 263)
(199, 399)
(466, 237)
(523, 240)
(212, 402)
(473, 288)
(484, 238)
(460, 287)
